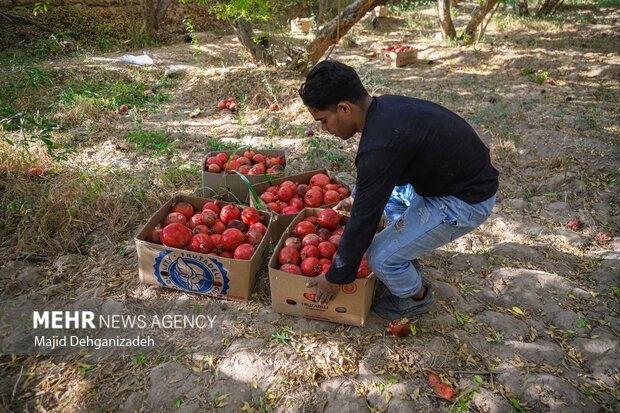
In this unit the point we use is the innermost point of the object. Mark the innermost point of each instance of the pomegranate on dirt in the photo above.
(230, 231)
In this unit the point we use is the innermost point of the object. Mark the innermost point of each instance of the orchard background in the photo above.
(527, 318)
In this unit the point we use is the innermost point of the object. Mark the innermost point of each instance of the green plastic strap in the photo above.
(251, 189)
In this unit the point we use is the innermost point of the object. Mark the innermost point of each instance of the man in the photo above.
(425, 160)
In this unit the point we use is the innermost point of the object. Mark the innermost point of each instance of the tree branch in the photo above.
(12, 18)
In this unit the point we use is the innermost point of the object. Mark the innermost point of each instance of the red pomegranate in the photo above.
(176, 235)
(289, 210)
(249, 154)
(325, 266)
(258, 158)
(320, 180)
(327, 249)
(363, 270)
(314, 220)
(285, 193)
(313, 198)
(244, 252)
(214, 160)
(253, 237)
(232, 238)
(218, 228)
(297, 203)
(217, 242)
(310, 251)
(250, 216)
(267, 197)
(203, 218)
(222, 157)
(227, 254)
(304, 228)
(288, 255)
(311, 239)
(275, 207)
(175, 217)
(293, 242)
(229, 213)
(331, 197)
(344, 192)
(211, 206)
(258, 226)
(201, 243)
(201, 229)
(272, 189)
(310, 267)
(291, 268)
(184, 208)
(328, 218)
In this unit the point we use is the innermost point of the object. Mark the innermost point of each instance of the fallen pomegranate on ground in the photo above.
(574, 224)
(441, 389)
(230, 104)
(400, 327)
(229, 231)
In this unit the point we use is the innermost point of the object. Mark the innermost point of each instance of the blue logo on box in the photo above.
(192, 272)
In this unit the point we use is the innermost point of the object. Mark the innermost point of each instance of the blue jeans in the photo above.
(417, 225)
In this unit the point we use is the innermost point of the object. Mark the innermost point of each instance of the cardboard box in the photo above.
(195, 272)
(282, 221)
(381, 11)
(229, 185)
(289, 294)
(301, 25)
(399, 59)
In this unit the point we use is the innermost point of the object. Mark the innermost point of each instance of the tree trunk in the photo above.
(333, 31)
(477, 18)
(445, 19)
(153, 12)
(545, 7)
(257, 50)
(523, 11)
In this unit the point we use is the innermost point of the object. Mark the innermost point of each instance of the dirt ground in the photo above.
(527, 314)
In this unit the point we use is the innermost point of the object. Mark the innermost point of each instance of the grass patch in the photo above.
(109, 93)
(154, 142)
(499, 119)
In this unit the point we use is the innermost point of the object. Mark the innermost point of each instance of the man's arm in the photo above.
(377, 174)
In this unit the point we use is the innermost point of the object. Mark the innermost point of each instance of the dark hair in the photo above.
(329, 83)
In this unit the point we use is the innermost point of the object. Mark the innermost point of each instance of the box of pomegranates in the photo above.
(203, 246)
(307, 249)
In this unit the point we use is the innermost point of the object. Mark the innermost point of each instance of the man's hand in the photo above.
(325, 291)
(344, 205)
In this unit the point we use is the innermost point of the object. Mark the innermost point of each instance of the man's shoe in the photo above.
(392, 307)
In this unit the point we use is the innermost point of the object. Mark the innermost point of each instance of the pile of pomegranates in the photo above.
(228, 231)
(249, 163)
(312, 247)
(399, 48)
(290, 197)
(230, 104)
